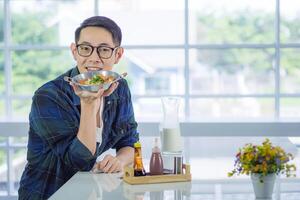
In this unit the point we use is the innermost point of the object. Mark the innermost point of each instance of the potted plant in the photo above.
(263, 163)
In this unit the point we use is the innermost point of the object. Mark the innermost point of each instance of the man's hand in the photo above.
(87, 96)
(93, 98)
(109, 164)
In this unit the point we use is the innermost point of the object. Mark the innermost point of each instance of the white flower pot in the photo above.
(263, 190)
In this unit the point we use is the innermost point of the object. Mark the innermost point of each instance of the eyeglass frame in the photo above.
(97, 47)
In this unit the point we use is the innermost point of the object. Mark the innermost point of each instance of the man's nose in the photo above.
(95, 57)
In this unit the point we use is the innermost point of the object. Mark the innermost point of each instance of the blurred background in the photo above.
(228, 60)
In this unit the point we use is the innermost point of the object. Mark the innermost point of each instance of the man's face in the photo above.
(95, 36)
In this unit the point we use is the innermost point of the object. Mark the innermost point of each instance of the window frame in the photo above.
(8, 47)
(272, 128)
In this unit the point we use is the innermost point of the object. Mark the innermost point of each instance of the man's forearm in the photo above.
(87, 128)
(126, 155)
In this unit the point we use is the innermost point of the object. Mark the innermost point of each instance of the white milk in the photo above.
(171, 140)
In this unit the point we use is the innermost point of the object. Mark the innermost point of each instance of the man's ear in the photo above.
(119, 54)
(73, 50)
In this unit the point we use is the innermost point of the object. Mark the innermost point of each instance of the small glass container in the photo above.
(177, 164)
(156, 161)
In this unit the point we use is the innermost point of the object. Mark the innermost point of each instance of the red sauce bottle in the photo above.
(156, 162)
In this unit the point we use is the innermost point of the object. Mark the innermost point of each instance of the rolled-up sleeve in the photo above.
(130, 136)
(55, 125)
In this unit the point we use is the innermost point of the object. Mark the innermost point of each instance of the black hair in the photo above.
(103, 22)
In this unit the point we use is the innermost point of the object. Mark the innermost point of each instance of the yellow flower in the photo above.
(264, 159)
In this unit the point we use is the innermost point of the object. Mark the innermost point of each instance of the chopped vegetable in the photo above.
(96, 80)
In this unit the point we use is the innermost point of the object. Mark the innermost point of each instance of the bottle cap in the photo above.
(137, 144)
(156, 148)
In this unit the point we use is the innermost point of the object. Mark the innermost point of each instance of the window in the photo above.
(146, 22)
(203, 51)
(290, 71)
(165, 64)
(232, 71)
(289, 28)
(231, 21)
(226, 59)
(1, 23)
(157, 83)
(2, 75)
(3, 177)
(31, 68)
(225, 53)
(232, 108)
(47, 22)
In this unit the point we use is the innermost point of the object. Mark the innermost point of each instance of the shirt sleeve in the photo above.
(126, 124)
(53, 121)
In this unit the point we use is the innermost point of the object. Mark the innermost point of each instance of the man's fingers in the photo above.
(100, 92)
(110, 161)
(110, 164)
(111, 89)
(103, 163)
(96, 168)
(116, 165)
(113, 168)
(106, 169)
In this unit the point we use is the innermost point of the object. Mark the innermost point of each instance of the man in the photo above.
(65, 122)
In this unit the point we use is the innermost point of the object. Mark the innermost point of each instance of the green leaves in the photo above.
(263, 159)
(96, 80)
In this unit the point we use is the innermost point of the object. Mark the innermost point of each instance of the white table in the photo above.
(90, 186)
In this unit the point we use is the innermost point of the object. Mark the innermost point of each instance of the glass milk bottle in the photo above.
(171, 141)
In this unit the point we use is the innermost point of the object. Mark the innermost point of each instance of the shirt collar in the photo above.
(73, 73)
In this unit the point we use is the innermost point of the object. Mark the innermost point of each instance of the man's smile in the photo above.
(93, 68)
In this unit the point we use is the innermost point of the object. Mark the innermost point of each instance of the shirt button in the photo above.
(122, 131)
(105, 119)
(108, 102)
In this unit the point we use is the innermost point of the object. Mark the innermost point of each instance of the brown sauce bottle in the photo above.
(156, 161)
(138, 161)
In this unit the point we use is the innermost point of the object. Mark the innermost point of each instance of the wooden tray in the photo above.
(129, 177)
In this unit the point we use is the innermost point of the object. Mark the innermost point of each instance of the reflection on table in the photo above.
(176, 191)
(90, 186)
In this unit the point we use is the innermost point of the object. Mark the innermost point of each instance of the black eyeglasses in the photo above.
(86, 50)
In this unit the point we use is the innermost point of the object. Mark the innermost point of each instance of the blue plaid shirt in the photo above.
(54, 153)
